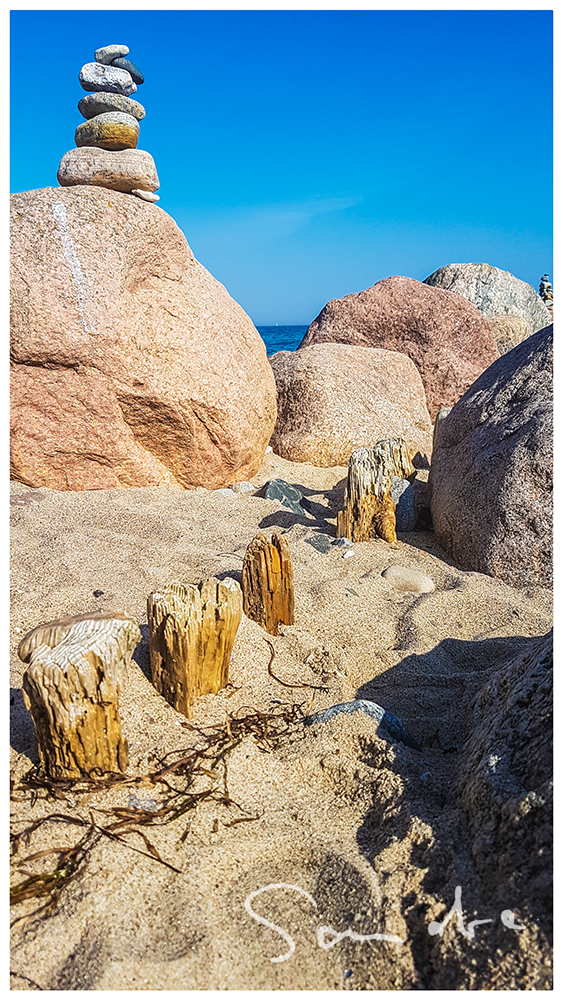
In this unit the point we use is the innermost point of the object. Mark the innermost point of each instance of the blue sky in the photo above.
(308, 154)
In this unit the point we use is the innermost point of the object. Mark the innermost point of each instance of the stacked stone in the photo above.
(106, 151)
(546, 292)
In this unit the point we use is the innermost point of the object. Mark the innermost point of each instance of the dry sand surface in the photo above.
(361, 823)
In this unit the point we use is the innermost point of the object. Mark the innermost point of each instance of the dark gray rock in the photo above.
(319, 542)
(100, 103)
(388, 725)
(494, 292)
(130, 67)
(96, 76)
(492, 475)
(289, 496)
(406, 514)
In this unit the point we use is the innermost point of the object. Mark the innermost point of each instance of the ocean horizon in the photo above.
(282, 338)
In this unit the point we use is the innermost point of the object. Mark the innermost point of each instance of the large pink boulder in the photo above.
(334, 398)
(446, 336)
(132, 365)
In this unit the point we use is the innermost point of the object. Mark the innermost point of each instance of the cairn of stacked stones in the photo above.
(546, 292)
(106, 151)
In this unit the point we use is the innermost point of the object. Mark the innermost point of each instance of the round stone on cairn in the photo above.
(123, 170)
(130, 67)
(102, 102)
(106, 54)
(94, 76)
(113, 130)
(106, 154)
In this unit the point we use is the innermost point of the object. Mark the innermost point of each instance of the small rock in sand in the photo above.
(319, 542)
(405, 510)
(408, 580)
(289, 496)
(240, 488)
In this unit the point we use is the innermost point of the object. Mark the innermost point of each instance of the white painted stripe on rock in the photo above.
(60, 216)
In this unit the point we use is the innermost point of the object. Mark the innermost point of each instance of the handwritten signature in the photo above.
(328, 937)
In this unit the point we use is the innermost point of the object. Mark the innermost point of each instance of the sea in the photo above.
(281, 338)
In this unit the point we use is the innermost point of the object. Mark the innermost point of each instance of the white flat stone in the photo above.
(146, 195)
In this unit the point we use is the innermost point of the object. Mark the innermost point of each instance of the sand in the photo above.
(361, 823)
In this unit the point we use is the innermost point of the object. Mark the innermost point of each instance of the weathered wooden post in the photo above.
(192, 629)
(71, 688)
(267, 582)
(369, 509)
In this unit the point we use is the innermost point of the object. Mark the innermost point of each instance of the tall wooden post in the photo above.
(369, 509)
(267, 582)
(191, 634)
(71, 687)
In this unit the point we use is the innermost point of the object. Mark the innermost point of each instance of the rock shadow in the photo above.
(420, 821)
(22, 731)
(141, 654)
(315, 515)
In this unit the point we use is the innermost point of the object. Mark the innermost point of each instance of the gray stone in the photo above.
(122, 170)
(402, 493)
(289, 496)
(319, 542)
(96, 76)
(388, 725)
(99, 103)
(492, 469)
(131, 68)
(147, 196)
(408, 580)
(494, 292)
(343, 543)
(109, 52)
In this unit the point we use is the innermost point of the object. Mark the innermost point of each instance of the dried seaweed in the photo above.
(176, 778)
(288, 684)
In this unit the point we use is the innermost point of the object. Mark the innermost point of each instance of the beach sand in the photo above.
(365, 825)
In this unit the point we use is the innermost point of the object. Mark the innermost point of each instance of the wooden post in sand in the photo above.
(267, 582)
(191, 634)
(71, 687)
(369, 509)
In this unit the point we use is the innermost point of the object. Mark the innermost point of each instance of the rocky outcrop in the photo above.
(449, 340)
(334, 398)
(491, 477)
(132, 365)
(497, 294)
